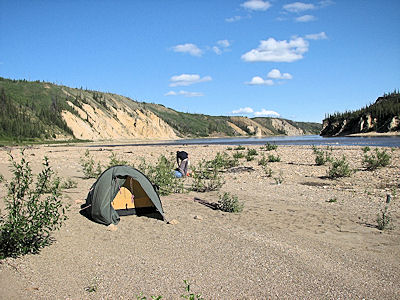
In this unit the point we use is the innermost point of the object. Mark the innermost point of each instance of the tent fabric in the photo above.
(103, 191)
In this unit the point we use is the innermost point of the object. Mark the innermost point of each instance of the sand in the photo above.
(289, 242)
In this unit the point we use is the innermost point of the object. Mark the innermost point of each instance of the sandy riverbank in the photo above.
(289, 242)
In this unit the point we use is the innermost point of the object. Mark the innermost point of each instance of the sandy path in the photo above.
(289, 242)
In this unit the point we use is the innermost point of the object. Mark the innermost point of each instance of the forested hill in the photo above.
(381, 116)
(45, 111)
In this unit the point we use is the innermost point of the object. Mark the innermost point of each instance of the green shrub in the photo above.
(223, 161)
(384, 218)
(33, 213)
(229, 149)
(1, 178)
(90, 170)
(238, 155)
(262, 161)
(366, 149)
(240, 147)
(321, 157)
(115, 161)
(206, 178)
(268, 171)
(339, 168)
(250, 154)
(230, 203)
(69, 184)
(270, 147)
(272, 158)
(378, 160)
(162, 175)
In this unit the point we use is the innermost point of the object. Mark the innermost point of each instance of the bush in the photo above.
(223, 161)
(263, 161)
(339, 168)
(115, 161)
(33, 212)
(321, 157)
(238, 155)
(270, 147)
(272, 158)
(1, 178)
(68, 184)
(239, 148)
(379, 160)
(88, 166)
(250, 154)
(384, 218)
(206, 178)
(230, 203)
(162, 175)
(268, 171)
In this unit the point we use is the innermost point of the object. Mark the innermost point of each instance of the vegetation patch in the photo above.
(230, 203)
(339, 168)
(376, 160)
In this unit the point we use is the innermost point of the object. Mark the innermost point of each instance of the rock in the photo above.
(112, 227)
(173, 222)
(198, 217)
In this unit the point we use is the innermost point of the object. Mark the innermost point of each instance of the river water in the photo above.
(307, 140)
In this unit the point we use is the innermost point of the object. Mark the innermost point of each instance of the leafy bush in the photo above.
(270, 147)
(88, 166)
(321, 157)
(240, 147)
(272, 158)
(161, 175)
(268, 171)
(250, 154)
(1, 178)
(230, 203)
(379, 160)
(206, 178)
(223, 161)
(339, 168)
(384, 219)
(68, 184)
(115, 161)
(33, 212)
(263, 161)
(238, 155)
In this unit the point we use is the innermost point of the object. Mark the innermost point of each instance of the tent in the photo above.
(119, 191)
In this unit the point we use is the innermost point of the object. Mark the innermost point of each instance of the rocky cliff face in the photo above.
(113, 118)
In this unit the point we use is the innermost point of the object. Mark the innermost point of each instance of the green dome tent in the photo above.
(122, 190)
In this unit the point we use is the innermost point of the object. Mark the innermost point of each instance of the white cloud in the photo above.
(192, 49)
(233, 19)
(297, 7)
(244, 110)
(277, 51)
(266, 113)
(187, 79)
(184, 93)
(317, 36)
(217, 50)
(224, 43)
(325, 3)
(256, 5)
(257, 80)
(276, 74)
(305, 18)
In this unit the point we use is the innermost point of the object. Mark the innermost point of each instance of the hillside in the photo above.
(45, 111)
(381, 116)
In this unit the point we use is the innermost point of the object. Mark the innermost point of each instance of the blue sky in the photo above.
(293, 59)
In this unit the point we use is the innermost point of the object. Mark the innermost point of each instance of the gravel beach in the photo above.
(301, 235)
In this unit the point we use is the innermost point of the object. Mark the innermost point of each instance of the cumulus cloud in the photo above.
(222, 45)
(305, 18)
(257, 80)
(276, 74)
(317, 36)
(297, 7)
(256, 5)
(244, 110)
(272, 50)
(184, 93)
(187, 79)
(191, 49)
(266, 113)
(233, 19)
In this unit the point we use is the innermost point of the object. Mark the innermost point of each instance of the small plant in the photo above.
(222, 161)
(378, 160)
(339, 168)
(332, 200)
(384, 218)
(115, 161)
(230, 203)
(366, 149)
(251, 153)
(141, 297)
(229, 149)
(321, 157)
(190, 295)
(240, 147)
(279, 180)
(33, 212)
(90, 170)
(262, 161)
(206, 178)
(162, 176)
(238, 155)
(270, 147)
(69, 184)
(273, 158)
(92, 287)
(268, 171)
(1, 178)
